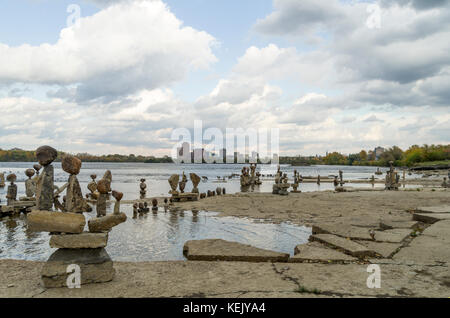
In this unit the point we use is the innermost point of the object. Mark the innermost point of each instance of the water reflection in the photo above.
(158, 237)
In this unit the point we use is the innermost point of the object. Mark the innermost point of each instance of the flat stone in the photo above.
(430, 218)
(106, 223)
(220, 250)
(83, 240)
(96, 266)
(434, 209)
(56, 222)
(392, 236)
(389, 225)
(386, 250)
(314, 252)
(345, 245)
(343, 230)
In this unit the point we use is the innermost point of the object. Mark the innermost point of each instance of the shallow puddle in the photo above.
(158, 237)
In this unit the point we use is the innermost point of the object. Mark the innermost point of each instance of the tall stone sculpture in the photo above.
(108, 178)
(92, 187)
(44, 187)
(173, 181)
(2, 179)
(104, 187)
(74, 198)
(30, 187)
(143, 188)
(11, 195)
(195, 181)
(183, 182)
(118, 196)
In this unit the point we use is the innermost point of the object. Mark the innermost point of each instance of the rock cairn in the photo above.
(392, 178)
(2, 180)
(143, 189)
(11, 194)
(281, 185)
(76, 247)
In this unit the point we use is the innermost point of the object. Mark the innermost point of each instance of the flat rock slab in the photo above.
(389, 225)
(220, 250)
(83, 240)
(56, 222)
(106, 223)
(96, 266)
(392, 236)
(345, 245)
(385, 250)
(434, 209)
(430, 218)
(314, 252)
(343, 230)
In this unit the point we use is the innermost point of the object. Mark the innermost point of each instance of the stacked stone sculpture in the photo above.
(75, 246)
(44, 187)
(281, 185)
(180, 196)
(195, 181)
(392, 178)
(30, 188)
(2, 180)
(11, 195)
(103, 187)
(143, 188)
(92, 187)
(74, 197)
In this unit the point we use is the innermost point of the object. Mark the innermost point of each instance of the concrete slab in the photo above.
(345, 245)
(315, 252)
(343, 230)
(392, 236)
(221, 250)
(430, 218)
(434, 209)
(385, 250)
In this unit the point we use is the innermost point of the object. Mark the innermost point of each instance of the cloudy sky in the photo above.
(330, 74)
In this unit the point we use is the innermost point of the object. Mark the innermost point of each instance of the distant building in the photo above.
(378, 152)
(223, 155)
(184, 154)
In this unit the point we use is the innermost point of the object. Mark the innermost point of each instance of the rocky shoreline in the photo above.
(419, 268)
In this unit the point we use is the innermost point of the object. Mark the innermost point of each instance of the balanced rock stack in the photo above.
(76, 246)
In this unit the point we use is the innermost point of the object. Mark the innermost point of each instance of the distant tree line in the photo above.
(413, 156)
(19, 155)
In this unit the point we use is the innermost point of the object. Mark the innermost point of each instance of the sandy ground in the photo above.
(418, 270)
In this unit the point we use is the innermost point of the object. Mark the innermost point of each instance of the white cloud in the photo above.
(121, 49)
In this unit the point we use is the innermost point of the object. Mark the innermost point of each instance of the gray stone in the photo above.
(106, 223)
(430, 218)
(314, 252)
(96, 266)
(44, 189)
(392, 236)
(345, 245)
(56, 222)
(46, 155)
(434, 209)
(220, 250)
(343, 230)
(83, 240)
(389, 225)
(385, 250)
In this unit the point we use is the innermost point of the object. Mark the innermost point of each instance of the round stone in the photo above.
(29, 173)
(154, 203)
(71, 164)
(117, 195)
(11, 177)
(37, 167)
(93, 176)
(46, 155)
(104, 186)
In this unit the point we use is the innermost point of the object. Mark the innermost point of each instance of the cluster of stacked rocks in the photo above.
(75, 246)
(281, 185)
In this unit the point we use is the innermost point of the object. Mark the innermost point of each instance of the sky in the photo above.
(120, 76)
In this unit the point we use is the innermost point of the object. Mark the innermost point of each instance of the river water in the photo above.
(161, 236)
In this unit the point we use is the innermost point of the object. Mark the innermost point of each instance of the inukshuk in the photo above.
(11, 195)
(74, 197)
(30, 188)
(44, 187)
(75, 246)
